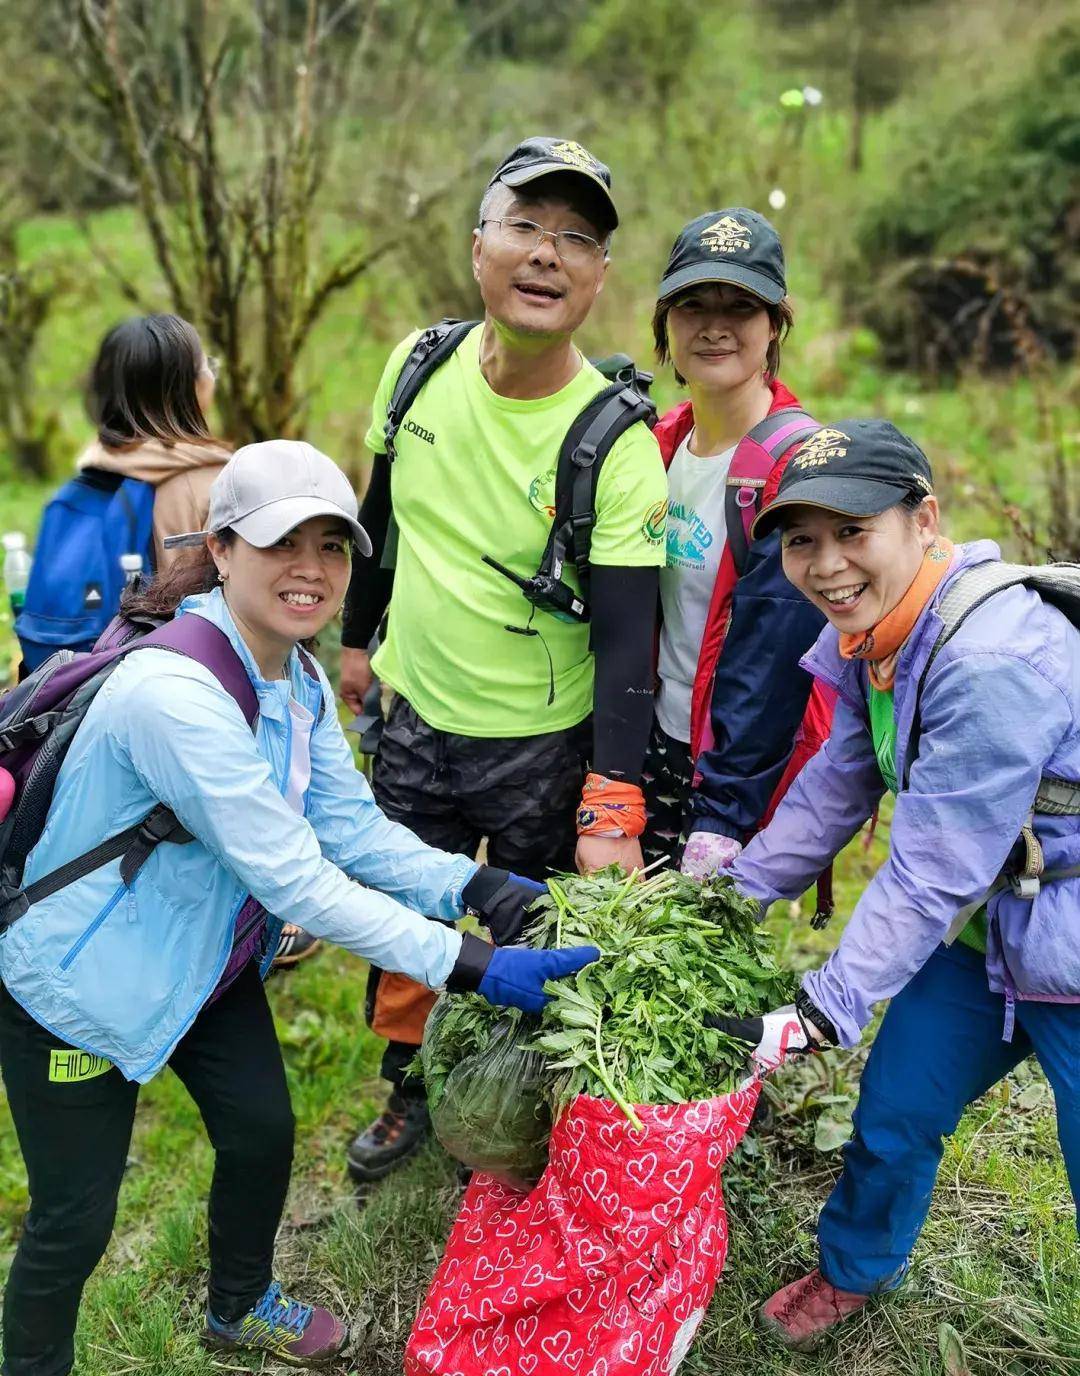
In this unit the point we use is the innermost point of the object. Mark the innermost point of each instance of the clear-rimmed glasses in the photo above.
(571, 246)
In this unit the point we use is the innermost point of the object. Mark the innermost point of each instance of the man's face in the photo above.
(534, 288)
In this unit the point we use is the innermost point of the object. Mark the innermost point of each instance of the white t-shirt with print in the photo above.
(696, 536)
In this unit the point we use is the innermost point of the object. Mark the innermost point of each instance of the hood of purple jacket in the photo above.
(998, 710)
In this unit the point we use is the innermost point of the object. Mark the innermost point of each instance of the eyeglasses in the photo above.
(525, 235)
(212, 365)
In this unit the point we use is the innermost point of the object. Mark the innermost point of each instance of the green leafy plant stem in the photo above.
(606, 1080)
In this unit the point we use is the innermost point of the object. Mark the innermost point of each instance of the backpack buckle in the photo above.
(15, 906)
(584, 455)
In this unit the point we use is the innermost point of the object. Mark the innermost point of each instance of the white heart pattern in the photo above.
(533, 1260)
(679, 1177)
(642, 1168)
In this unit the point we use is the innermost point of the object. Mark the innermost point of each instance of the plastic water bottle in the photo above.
(17, 565)
(132, 564)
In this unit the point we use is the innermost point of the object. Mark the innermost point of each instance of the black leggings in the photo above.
(74, 1134)
(666, 782)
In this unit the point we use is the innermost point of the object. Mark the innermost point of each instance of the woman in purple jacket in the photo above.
(970, 927)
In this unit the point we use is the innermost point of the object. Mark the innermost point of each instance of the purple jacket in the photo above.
(1000, 707)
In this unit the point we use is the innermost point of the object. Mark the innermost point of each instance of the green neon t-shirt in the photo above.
(475, 475)
(883, 732)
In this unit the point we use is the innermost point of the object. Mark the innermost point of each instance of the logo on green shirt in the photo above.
(539, 488)
(653, 526)
(428, 436)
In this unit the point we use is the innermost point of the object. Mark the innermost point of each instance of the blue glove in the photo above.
(516, 975)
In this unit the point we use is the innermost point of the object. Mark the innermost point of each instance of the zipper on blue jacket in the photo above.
(67, 960)
(152, 1067)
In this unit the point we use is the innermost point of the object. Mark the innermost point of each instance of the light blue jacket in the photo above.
(123, 972)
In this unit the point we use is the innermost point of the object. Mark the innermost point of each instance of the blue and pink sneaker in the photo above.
(297, 1334)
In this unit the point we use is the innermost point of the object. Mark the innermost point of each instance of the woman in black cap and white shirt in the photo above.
(735, 716)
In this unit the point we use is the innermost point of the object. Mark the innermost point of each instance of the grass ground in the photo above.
(998, 1261)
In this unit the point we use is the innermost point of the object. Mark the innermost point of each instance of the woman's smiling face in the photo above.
(719, 335)
(856, 569)
(288, 591)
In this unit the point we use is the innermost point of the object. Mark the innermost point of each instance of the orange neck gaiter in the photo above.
(881, 644)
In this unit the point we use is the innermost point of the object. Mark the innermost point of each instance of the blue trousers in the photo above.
(939, 1048)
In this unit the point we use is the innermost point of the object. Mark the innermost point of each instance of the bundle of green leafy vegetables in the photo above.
(629, 1027)
(486, 1088)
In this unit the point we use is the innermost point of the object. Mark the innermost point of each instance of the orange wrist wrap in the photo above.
(610, 808)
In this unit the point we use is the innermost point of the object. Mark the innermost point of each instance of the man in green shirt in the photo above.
(501, 708)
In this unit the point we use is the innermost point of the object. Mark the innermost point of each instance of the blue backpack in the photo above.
(76, 579)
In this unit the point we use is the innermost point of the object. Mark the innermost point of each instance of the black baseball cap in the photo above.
(855, 467)
(734, 245)
(543, 157)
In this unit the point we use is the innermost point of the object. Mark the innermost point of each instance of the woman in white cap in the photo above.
(106, 981)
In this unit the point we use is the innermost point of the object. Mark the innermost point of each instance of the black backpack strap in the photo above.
(431, 350)
(587, 444)
(622, 368)
(135, 844)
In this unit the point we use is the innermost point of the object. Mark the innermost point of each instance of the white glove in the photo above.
(707, 853)
(774, 1036)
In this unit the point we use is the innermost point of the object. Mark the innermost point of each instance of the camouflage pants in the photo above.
(665, 781)
(519, 793)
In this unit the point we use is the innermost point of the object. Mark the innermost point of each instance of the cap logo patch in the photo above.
(823, 445)
(920, 481)
(726, 235)
(575, 155)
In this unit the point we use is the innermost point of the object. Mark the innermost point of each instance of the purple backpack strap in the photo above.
(309, 668)
(202, 641)
(199, 640)
(754, 458)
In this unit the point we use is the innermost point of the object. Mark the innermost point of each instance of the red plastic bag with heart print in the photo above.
(606, 1268)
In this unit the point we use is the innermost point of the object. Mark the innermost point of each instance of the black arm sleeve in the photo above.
(624, 603)
(371, 584)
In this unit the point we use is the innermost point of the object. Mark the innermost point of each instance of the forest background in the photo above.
(300, 180)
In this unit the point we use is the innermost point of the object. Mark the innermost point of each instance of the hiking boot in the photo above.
(393, 1137)
(297, 1334)
(803, 1311)
(294, 945)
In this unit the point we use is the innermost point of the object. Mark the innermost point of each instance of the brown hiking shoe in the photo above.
(807, 1308)
(390, 1140)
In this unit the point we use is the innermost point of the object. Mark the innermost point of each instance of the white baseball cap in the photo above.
(268, 489)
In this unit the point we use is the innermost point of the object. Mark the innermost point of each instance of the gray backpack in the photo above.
(1058, 584)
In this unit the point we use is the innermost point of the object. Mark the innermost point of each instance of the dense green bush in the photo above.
(973, 254)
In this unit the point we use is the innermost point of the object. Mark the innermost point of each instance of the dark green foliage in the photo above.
(485, 1090)
(629, 1027)
(974, 254)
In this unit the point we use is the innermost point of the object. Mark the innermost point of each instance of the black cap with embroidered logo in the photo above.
(855, 468)
(543, 157)
(734, 245)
